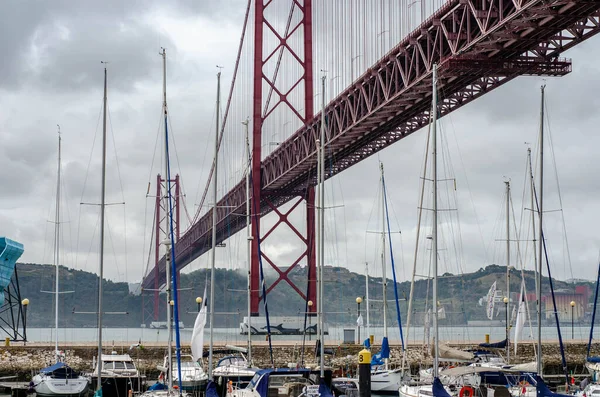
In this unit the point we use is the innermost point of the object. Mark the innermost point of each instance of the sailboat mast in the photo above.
(318, 247)
(414, 271)
(167, 240)
(367, 302)
(322, 226)
(214, 234)
(435, 231)
(102, 208)
(57, 250)
(249, 239)
(531, 187)
(507, 270)
(540, 244)
(383, 264)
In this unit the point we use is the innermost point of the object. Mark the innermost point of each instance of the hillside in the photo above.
(458, 294)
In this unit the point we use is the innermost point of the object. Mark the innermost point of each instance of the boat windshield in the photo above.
(117, 365)
(188, 364)
(234, 361)
(253, 381)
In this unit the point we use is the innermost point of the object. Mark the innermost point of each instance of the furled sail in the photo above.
(198, 331)
(521, 315)
(490, 301)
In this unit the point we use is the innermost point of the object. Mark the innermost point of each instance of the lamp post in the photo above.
(358, 302)
(309, 303)
(572, 319)
(25, 303)
(505, 300)
(199, 302)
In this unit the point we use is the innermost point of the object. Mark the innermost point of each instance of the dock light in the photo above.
(505, 300)
(172, 302)
(309, 303)
(25, 303)
(199, 302)
(572, 319)
(359, 320)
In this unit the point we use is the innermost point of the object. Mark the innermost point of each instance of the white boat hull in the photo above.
(385, 381)
(47, 386)
(415, 391)
(523, 391)
(165, 393)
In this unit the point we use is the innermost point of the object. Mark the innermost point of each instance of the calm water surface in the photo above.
(119, 336)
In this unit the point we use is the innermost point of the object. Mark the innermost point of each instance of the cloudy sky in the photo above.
(52, 74)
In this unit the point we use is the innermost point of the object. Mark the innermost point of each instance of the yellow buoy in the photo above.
(364, 357)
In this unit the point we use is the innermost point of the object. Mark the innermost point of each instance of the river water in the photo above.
(120, 336)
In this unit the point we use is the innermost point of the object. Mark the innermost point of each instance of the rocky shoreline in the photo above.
(24, 361)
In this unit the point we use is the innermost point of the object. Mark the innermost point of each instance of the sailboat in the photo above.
(236, 367)
(538, 387)
(436, 388)
(592, 363)
(114, 374)
(58, 379)
(173, 371)
(384, 380)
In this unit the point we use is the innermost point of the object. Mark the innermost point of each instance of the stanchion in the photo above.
(364, 373)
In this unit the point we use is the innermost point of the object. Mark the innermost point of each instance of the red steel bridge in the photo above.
(479, 45)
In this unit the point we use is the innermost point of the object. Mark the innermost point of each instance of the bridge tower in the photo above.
(269, 52)
(150, 297)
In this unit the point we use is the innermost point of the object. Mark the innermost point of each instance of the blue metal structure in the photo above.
(12, 312)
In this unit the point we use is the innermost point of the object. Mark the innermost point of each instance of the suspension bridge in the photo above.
(378, 56)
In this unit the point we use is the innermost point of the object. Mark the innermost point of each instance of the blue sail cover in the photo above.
(52, 368)
(211, 389)
(377, 359)
(543, 390)
(438, 389)
(324, 390)
(10, 251)
(158, 386)
(593, 359)
(262, 386)
(367, 343)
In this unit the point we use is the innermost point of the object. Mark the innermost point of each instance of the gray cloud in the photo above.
(61, 82)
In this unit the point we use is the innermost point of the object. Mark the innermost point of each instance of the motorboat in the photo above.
(344, 387)
(119, 375)
(235, 369)
(193, 377)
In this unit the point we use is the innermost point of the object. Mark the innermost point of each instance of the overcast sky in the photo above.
(51, 74)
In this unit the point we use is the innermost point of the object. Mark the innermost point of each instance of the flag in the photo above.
(359, 320)
(441, 313)
(490, 301)
(513, 314)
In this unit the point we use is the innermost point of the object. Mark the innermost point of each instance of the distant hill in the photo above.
(458, 294)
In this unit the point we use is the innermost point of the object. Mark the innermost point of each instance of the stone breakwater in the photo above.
(24, 361)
